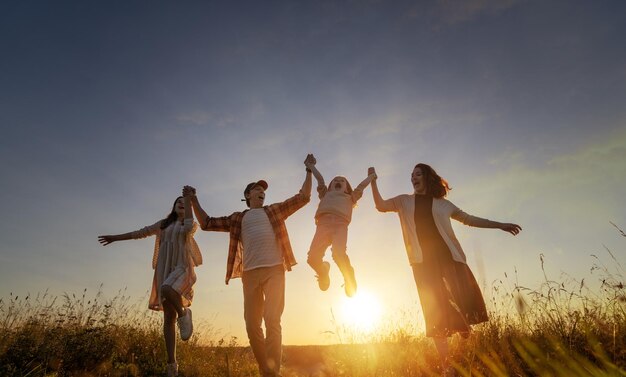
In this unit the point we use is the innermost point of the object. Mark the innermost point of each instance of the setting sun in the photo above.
(362, 311)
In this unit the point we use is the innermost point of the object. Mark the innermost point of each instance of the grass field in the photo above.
(561, 328)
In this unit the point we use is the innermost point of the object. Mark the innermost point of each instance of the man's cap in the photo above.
(252, 185)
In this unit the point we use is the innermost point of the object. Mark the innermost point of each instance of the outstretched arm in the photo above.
(110, 238)
(480, 222)
(514, 229)
(138, 234)
(382, 205)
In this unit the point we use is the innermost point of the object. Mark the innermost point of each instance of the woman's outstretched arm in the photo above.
(514, 229)
(381, 204)
(480, 222)
(138, 234)
(110, 238)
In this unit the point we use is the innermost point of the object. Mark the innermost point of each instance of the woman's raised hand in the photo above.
(514, 229)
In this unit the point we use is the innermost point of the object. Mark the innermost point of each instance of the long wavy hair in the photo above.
(436, 186)
(171, 217)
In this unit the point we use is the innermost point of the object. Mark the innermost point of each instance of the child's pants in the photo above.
(331, 230)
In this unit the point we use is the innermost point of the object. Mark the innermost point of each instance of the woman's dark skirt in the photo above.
(450, 297)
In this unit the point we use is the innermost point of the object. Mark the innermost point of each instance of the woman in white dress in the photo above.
(175, 256)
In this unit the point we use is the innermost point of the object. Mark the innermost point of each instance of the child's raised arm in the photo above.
(321, 185)
(357, 193)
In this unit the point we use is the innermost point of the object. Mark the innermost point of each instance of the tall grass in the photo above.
(564, 327)
(89, 336)
(561, 328)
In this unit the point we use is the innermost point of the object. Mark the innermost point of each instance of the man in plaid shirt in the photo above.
(259, 253)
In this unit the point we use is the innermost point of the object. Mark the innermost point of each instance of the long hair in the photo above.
(171, 217)
(436, 186)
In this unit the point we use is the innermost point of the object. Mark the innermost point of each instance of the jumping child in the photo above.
(333, 215)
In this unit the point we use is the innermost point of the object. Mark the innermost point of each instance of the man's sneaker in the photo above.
(185, 325)
(350, 282)
(323, 279)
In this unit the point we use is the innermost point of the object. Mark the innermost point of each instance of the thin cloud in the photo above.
(586, 177)
(205, 118)
(198, 118)
(453, 12)
(608, 157)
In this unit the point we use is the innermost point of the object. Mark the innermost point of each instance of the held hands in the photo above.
(514, 229)
(371, 172)
(189, 191)
(105, 240)
(310, 161)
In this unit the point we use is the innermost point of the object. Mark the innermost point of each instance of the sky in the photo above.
(108, 108)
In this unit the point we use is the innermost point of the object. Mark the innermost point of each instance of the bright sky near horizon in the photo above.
(108, 108)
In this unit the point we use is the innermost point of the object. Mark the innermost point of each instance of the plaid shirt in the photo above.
(277, 214)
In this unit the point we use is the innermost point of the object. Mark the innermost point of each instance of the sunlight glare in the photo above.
(362, 311)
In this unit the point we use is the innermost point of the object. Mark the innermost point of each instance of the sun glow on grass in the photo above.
(363, 311)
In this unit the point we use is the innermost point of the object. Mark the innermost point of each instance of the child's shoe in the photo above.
(349, 282)
(323, 279)
(185, 325)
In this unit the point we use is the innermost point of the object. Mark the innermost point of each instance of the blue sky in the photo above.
(108, 109)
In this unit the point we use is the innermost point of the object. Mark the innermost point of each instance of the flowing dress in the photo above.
(176, 253)
(450, 297)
